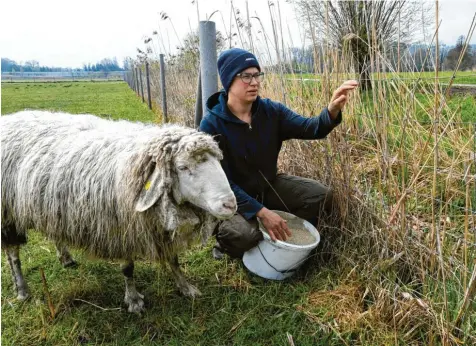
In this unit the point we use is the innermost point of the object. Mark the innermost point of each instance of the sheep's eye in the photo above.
(201, 159)
(182, 168)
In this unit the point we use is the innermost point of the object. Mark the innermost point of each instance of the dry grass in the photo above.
(352, 308)
(381, 164)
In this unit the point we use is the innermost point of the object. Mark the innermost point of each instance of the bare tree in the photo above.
(361, 28)
(454, 54)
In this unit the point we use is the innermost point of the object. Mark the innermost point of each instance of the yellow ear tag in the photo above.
(147, 186)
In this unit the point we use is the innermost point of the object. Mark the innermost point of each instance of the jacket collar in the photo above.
(217, 105)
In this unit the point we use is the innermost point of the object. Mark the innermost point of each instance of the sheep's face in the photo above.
(202, 182)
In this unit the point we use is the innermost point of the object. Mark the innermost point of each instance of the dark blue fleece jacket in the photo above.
(251, 151)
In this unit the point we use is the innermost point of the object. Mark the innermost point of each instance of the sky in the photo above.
(72, 33)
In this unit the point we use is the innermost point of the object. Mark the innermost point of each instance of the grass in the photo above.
(369, 284)
(110, 99)
(236, 307)
(235, 310)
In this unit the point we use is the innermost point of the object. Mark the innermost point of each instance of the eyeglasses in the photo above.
(248, 77)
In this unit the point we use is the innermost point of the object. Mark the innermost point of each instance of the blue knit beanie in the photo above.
(233, 61)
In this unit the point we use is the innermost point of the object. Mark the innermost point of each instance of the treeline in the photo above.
(412, 58)
(105, 65)
(9, 65)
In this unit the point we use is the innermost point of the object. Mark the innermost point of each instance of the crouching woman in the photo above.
(250, 131)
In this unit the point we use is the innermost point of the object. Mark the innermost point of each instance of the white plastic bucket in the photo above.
(279, 260)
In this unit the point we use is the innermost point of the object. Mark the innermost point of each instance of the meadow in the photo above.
(378, 278)
(236, 308)
(112, 99)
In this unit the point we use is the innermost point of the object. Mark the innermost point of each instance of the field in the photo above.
(111, 99)
(372, 283)
(232, 310)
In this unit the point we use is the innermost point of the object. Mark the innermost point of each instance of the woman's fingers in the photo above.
(279, 231)
(341, 100)
(283, 229)
(345, 88)
(271, 235)
(339, 103)
(286, 230)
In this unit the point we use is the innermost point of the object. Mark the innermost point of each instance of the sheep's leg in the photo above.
(64, 256)
(132, 298)
(182, 284)
(13, 257)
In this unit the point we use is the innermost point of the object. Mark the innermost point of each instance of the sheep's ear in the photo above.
(151, 192)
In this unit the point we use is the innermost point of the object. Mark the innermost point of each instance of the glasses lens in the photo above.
(247, 77)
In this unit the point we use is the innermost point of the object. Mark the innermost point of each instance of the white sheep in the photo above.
(118, 190)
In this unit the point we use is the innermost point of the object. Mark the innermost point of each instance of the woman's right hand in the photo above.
(275, 225)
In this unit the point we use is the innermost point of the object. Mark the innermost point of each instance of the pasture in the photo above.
(368, 285)
(236, 308)
(112, 99)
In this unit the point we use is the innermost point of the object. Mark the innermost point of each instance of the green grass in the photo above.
(236, 308)
(234, 311)
(109, 99)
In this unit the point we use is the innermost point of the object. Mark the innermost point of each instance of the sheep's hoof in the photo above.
(135, 303)
(190, 291)
(69, 264)
(22, 295)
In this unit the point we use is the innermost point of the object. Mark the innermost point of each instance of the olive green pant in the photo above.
(305, 198)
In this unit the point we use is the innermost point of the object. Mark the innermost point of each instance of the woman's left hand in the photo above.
(340, 97)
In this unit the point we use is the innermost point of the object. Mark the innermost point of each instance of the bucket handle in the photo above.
(283, 271)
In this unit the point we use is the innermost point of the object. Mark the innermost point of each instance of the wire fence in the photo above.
(147, 82)
(15, 77)
(391, 78)
(150, 85)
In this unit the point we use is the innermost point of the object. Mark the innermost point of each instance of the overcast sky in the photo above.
(71, 33)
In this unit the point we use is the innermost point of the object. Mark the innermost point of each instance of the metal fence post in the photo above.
(133, 81)
(137, 81)
(162, 85)
(147, 77)
(198, 102)
(141, 84)
(208, 62)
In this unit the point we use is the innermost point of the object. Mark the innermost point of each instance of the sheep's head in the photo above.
(202, 182)
(185, 167)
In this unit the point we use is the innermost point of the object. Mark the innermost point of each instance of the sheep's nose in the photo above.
(230, 203)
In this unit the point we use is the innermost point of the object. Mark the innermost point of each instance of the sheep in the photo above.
(117, 189)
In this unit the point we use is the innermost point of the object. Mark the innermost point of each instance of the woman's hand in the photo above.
(275, 225)
(340, 97)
